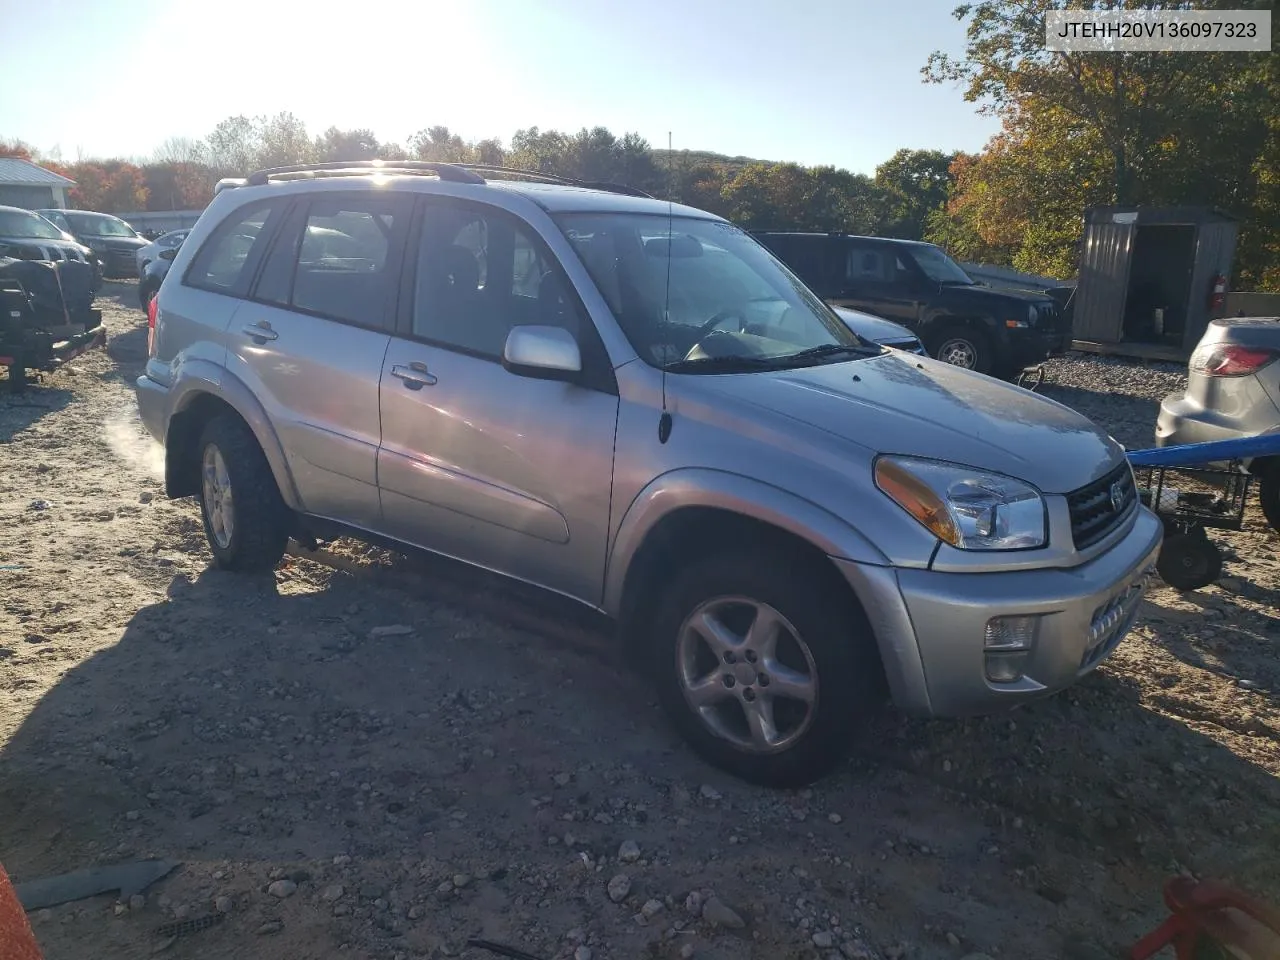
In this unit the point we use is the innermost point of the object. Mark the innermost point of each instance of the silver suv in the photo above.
(634, 404)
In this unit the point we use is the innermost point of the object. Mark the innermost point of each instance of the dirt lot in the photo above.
(490, 769)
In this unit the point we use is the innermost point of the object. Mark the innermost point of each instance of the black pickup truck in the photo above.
(994, 330)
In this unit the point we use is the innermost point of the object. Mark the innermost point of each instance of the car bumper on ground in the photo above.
(931, 627)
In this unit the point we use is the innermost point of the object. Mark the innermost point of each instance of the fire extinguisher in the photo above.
(1217, 292)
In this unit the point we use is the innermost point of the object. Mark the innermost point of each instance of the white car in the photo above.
(166, 241)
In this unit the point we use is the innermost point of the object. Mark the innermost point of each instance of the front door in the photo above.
(511, 473)
(311, 341)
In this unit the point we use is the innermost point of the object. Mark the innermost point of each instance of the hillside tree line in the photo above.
(1078, 130)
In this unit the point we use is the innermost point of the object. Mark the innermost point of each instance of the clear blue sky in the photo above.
(814, 81)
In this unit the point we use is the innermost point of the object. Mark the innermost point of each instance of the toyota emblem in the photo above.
(1117, 496)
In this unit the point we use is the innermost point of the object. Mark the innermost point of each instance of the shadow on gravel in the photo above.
(249, 723)
(18, 411)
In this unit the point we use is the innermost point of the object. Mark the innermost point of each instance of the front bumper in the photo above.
(1029, 347)
(930, 626)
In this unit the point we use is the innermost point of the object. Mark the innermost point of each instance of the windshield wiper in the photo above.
(825, 350)
(727, 364)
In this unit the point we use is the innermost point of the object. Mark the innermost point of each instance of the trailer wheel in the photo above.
(1189, 561)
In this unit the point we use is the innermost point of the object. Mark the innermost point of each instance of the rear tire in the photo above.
(245, 519)
(824, 648)
(963, 346)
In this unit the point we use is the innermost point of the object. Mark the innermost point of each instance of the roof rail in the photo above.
(538, 176)
(302, 171)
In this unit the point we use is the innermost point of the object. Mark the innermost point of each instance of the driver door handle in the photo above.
(414, 375)
(259, 331)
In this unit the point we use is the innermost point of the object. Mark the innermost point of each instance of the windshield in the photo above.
(99, 226)
(728, 300)
(19, 223)
(938, 267)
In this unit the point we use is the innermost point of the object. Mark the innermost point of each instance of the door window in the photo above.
(223, 262)
(336, 260)
(481, 272)
(869, 264)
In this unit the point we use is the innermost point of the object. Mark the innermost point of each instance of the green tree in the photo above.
(335, 145)
(914, 183)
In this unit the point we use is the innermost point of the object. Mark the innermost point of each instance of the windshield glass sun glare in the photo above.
(939, 267)
(100, 226)
(14, 223)
(698, 295)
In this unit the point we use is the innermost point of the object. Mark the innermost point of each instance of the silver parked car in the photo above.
(632, 403)
(151, 252)
(1233, 391)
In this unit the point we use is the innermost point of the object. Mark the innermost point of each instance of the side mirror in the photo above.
(169, 254)
(541, 352)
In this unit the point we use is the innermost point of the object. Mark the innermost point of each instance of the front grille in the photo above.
(1096, 511)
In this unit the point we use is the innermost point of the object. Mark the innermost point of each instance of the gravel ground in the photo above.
(376, 756)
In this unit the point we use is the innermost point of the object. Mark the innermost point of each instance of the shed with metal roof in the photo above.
(29, 185)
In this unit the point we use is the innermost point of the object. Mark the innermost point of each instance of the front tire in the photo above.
(245, 519)
(963, 346)
(764, 664)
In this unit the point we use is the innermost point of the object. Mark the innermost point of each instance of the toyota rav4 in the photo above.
(635, 404)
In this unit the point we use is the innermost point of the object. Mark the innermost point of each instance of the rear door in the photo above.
(311, 338)
(875, 279)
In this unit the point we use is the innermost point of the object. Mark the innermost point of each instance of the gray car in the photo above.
(1233, 391)
(633, 404)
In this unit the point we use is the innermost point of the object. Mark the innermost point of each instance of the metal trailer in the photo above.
(1193, 487)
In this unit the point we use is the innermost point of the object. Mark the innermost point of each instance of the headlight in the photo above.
(963, 506)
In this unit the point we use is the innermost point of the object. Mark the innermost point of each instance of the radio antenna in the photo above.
(664, 421)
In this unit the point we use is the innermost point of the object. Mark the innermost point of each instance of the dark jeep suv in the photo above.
(992, 330)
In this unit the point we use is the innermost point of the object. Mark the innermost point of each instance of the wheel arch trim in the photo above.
(732, 493)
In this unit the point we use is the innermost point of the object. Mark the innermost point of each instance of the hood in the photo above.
(925, 408)
(990, 297)
(122, 243)
(873, 328)
(44, 242)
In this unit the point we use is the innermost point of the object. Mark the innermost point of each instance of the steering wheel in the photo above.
(719, 318)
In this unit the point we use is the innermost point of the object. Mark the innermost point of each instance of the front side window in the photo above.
(700, 295)
(481, 272)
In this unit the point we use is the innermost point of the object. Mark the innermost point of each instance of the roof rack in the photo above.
(538, 176)
(305, 171)
(453, 172)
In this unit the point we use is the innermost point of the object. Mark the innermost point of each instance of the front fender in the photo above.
(717, 489)
(198, 378)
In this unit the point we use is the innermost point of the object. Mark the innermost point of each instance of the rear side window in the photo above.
(336, 259)
(225, 263)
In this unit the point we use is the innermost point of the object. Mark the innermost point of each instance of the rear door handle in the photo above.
(414, 375)
(259, 331)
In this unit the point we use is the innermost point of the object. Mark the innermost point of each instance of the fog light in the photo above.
(1005, 667)
(1010, 633)
(1007, 643)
